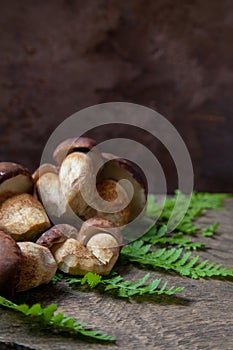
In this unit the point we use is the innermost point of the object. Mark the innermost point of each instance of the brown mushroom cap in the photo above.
(57, 234)
(51, 237)
(10, 265)
(98, 225)
(23, 217)
(80, 144)
(14, 178)
(118, 169)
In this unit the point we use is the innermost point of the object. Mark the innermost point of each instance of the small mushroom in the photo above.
(96, 250)
(96, 225)
(23, 217)
(103, 238)
(14, 178)
(118, 169)
(113, 193)
(10, 265)
(38, 266)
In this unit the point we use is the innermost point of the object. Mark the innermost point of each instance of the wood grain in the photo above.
(198, 318)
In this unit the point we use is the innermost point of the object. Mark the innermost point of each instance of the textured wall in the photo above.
(58, 56)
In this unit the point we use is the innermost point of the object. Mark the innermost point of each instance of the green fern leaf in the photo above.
(178, 261)
(56, 322)
(92, 279)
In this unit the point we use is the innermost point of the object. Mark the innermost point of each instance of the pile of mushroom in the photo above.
(83, 184)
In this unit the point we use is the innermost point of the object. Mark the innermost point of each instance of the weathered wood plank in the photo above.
(200, 319)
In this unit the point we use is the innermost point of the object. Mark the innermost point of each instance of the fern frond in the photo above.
(177, 260)
(126, 289)
(58, 322)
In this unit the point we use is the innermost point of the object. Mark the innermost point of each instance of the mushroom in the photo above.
(74, 258)
(95, 249)
(14, 178)
(103, 239)
(76, 176)
(84, 145)
(38, 266)
(23, 217)
(112, 194)
(10, 265)
(118, 169)
(24, 265)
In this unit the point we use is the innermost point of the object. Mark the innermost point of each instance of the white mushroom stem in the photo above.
(76, 176)
(37, 266)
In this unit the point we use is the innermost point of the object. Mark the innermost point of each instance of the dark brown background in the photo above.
(57, 57)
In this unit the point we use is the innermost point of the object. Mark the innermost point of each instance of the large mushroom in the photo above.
(78, 171)
(10, 265)
(24, 265)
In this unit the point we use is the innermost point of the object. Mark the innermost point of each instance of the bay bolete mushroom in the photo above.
(14, 178)
(23, 265)
(118, 169)
(23, 217)
(10, 265)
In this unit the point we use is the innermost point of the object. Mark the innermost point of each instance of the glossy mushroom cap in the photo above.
(10, 265)
(80, 144)
(14, 178)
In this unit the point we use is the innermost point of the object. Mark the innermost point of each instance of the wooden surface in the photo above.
(200, 317)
